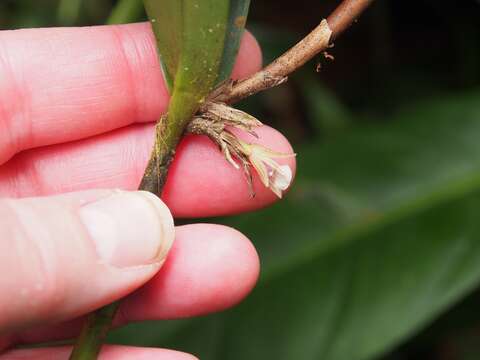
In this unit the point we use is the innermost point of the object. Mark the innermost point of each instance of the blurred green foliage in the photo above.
(379, 237)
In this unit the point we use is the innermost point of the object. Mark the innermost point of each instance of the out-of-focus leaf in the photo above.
(327, 114)
(379, 237)
(126, 11)
(68, 11)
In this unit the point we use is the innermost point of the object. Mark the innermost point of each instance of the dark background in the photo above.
(398, 54)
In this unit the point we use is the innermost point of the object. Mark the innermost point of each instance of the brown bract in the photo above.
(214, 120)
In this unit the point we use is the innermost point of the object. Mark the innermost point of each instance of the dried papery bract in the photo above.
(215, 123)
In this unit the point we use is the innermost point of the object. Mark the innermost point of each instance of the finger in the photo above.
(108, 353)
(200, 182)
(65, 84)
(76, 252)
(209, 268)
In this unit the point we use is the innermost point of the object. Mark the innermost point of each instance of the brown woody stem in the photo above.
(345, 15)
(317, 41)
(166, 141)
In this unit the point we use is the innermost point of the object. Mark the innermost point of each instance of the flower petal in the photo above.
(262, 171)
(263, 152)
(282, 177)
(276, 191)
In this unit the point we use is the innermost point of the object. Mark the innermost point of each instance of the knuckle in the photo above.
(34, 257)
(16, 130)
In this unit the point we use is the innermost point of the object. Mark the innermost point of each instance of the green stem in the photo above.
(167, 137)
(98, 323)
(94, 332)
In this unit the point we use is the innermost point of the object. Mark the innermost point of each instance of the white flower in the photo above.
(273, 175)
(280, 179)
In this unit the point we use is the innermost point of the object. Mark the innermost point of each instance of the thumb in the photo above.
(63, 256)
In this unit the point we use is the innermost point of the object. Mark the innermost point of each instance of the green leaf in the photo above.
(68, 11)
(167, 23)
(328, 116)
(192, 38)
(198, 40)
(126, 11)
(379, 237)
(236, 27)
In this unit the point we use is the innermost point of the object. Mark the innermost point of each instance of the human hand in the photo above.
(77, 108)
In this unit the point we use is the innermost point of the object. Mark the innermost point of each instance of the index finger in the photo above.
(64, 84)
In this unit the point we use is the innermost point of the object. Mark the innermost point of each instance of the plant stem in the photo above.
(169, 133)
(276, 73)
(98, 323)
(345, 15)
(317, 41)
(166, 141)
(94, 332)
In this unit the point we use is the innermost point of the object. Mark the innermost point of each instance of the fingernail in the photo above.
(129, 228)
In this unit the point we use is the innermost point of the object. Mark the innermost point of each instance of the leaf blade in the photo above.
(166, 20)
(236, 26)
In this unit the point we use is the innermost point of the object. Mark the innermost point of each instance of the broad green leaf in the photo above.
(379, 236)
(201, 36)
(191, 37)
(166, 17)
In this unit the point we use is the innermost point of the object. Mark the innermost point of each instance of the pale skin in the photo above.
(77, 110)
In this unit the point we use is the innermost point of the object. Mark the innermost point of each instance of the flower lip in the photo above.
(280, 179)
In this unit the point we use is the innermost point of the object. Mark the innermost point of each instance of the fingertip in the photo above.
(166, 222)
(117, 241)
(109, 352)
(234, 269)
(202, 183)
(249, 59)
(218, 264)
(210, 268)
(118, 352)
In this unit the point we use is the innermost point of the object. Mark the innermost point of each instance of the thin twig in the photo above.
(276, 73)
(317, 41)
(346, 14)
